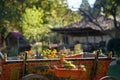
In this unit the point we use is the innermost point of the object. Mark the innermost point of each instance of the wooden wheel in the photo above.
(108, 78)
(34, 76)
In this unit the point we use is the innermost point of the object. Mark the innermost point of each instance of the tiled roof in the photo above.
(85, 25)
(106, 24)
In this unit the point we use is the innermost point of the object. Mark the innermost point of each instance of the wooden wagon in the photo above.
(18, 69)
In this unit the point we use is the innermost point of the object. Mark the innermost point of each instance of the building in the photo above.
(16, 43)
(87, 33)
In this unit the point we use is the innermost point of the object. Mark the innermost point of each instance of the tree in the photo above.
(114, 46)
(85, 5)
(32, 23)
(10, 14)
(111, 8)
(107, 8)
(55, 13)
(61, 15)
(2, 33)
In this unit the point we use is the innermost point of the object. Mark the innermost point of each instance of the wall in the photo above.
(89, 41)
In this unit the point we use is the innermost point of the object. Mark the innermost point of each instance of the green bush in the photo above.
(114, 46)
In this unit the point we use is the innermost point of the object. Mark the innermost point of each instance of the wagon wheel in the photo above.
(34, 76)
(108, 78)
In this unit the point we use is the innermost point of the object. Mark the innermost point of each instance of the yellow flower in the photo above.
(54, 51)
(49, 53)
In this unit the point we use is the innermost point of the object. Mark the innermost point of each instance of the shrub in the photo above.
(114, 46)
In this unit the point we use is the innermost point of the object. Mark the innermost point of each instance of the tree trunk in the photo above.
(1, 40)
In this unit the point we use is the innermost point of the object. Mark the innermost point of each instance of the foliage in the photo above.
(3, 30)
(33, 18)
(32, 23)
(85, 5)
(107, 8)
(10, 14)
(111, 7)
(62, 15)
(53, 14)
(114, 46)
